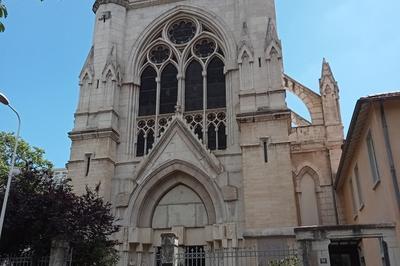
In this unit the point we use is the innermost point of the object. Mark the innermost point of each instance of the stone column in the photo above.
(313, 250)
(169, 249)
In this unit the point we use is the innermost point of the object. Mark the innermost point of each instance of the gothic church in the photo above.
(182, 119)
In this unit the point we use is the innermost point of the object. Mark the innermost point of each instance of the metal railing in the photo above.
(235, 257)
(24, 261)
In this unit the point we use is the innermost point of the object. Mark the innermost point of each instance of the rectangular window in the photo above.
(353, 198)
(88, 158)
(372, 158)
(265, 146)
(359, 190)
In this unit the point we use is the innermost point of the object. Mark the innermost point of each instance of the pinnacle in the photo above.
(326, 70)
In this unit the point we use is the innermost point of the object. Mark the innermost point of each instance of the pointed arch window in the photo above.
(148, 91)
(194, 87)
(183, 71)
(169, 89)
(215, 84)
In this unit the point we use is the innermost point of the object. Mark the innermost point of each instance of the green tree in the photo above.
(26, 154)
(3, 14)
(41, 209)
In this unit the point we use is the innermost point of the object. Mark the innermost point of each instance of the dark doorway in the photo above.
(344, 253)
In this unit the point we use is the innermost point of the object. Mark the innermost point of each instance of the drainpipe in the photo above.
(389, 153)
(334, 200)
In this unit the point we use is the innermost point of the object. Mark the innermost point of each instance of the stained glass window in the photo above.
(221, 137)
(204, 48)
(182, 31)
(169, 89)
(184, 46)
(194, 87)
(215, 84)
(148, 92)
(159, 54)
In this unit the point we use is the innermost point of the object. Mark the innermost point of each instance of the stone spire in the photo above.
(245, 38)
(326, 73)
(272, 35)
(330, 95)
(327, 81)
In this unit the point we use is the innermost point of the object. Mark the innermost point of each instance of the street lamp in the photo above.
(5, 101)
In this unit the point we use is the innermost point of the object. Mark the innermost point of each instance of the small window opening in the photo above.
(150, 141)
(259, 62)
(88, 159)
(221, 137)
(140, 144)
(265, 147)
(212, 138)
(199, 132)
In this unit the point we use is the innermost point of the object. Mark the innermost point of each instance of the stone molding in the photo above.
(270, 232)
(210, 163)
(94, 133)
(96, 5)
(263, 115)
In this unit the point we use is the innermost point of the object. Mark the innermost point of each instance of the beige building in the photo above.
(368, 178)
(183, 121)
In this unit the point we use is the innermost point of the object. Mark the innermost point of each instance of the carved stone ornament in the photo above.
(96, 4)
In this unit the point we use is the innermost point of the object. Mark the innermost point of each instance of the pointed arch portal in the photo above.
(196, 195)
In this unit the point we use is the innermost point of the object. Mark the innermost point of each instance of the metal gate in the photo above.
(198, 256)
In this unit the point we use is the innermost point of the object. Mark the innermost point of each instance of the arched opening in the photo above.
(140, 144)
(221, 137)
(161, 181)
(185, 47)
(148, 92)
(181, 206)
(216, 95)
(297, 105)
(308, 200)
(194, 87)
(169, 89)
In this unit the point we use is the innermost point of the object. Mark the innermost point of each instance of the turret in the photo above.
(330, 96)
(332, 119)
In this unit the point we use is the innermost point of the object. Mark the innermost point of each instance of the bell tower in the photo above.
(96, 133)
(182, 124)
(264, 122)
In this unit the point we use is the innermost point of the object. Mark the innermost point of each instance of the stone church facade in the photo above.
(183, 122)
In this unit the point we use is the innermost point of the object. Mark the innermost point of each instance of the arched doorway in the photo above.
(181, 206)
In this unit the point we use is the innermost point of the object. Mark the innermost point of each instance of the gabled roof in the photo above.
(358, 121)
(178, 142)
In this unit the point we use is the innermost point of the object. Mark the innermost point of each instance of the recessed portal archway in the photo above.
(154, 191)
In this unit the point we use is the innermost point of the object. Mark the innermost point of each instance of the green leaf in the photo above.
(3, 11)
(2, 27)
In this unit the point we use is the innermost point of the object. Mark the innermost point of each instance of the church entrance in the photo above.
(181, 206)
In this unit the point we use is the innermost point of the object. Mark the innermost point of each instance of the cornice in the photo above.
(132, 4)
(94, 133)
(124, 3)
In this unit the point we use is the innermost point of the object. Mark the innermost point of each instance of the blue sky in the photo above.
(46, 43)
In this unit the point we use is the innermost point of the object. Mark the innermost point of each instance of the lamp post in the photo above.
(5, 101)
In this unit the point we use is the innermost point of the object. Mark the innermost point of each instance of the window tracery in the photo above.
(183, 71)
(182, 31)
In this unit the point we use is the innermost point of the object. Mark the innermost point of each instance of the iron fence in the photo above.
(24, 261)
(197, 256)
(29, 260)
